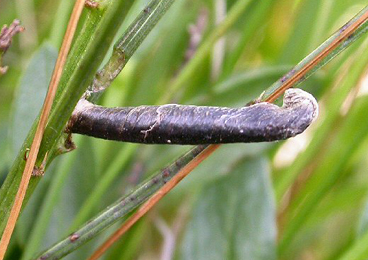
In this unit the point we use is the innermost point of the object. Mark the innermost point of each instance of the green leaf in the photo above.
(31, 94)
(235, 217)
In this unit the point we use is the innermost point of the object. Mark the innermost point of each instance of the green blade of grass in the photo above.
(119, 209)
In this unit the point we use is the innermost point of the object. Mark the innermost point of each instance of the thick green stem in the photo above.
(75, 80)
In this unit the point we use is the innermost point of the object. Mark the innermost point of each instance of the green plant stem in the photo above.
(11, 183)
(73, 84)
(128, 43)
(126, 46)
(44, 216)
(61, 18)
(334, 103)
(331, 53)
(119, 209)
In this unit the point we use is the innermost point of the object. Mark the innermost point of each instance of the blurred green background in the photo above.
(304, 198)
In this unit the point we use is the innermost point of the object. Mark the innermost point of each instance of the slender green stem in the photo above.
(139, 29)
(289, 177)
(119, 209)
(126, 46)
(59, 21)
(333, 105)
(11, 183)
(73, 84)
(331, 47)
(44, 216)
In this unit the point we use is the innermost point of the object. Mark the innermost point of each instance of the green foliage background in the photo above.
(304, 198)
